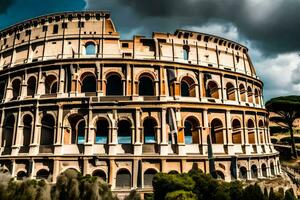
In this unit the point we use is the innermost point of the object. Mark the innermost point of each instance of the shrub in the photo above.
(181, 195)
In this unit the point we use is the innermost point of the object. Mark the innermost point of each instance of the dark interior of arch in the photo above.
(9, 130)
(42, 174)
(102, 131)
(114, 85)
(31, 86)
(89, 84)
(123, 179)
(184, 89)
(149, 130)
(2, 89)
(146, 86)
(101, 174)
(27, 121)
(16, 88)
(148, 177)
(124, 132)
(47, 132)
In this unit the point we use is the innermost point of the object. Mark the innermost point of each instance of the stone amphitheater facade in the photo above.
(75, 96)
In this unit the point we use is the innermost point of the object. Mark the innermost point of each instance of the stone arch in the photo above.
(272, 168)
(27, 129)
(212, 90)
(254, 171)
(102, 130)
(256, 95)
(146, 84)
(47, 130)
(9, 129)
(51, 84)
(230, 91)
(75, 129)
(16, 88)
(21, 175)
(90, 48)
(220, 175)
(43, 174)
(187, 86)
(264, 170)
(100, 174)
(2, 88)
(243, 172)
(123, 178)
(242, 92)
(251, 131)
(88, 82)
(250, 94)
(149, 130)
(236, 131)
(31, 86)
(148, 177)
(216, 127)
(191, 128)
(114, 84)
(124, 131)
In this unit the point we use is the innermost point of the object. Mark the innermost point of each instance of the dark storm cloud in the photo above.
(271, 25)
(4, 4)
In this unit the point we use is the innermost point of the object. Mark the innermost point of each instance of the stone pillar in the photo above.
(41, 83)
(59, 131)
(2, 119)
(230, 145)
(135, 173)
(164, 134)
(23, 88)
(90, 134)
(205, 131)
(17, 134)
(56, 170)
(223, 89)
(113, 133)
(37, 131)
(112, 173)
(9, 92)
(246, 137)
(138, 148)
(61, 81)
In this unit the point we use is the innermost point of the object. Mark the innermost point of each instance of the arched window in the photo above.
(81, 132)
(50, 84)
(47, 131)
(27, 122)
(264, 170)
(187, 87)
(114, 85)
(230, 92)
(31, 86)
(272, 169)
(191, 135)
(251, 131)
(124, 132)
(261, 130)
(102, 131)
(220, 175)
(254, 172)
(2, 88)
(242, 92)
(216, 131)
(123, 179)
(77, 124)
(90, 48)
(88, 83)
(148, 177)
(149, 130)
(256, 94)
(146, 86)
(236, 132)
(212, 90)
(250, 94)
(9, 127)
(243, 173)
(186, 50)
(42, 174)
(16, 85)
(173, 172)
(21, 175)
(100, 174)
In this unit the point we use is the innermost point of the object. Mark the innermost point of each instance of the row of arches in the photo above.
(146, 87)
(254, 171)
(75, 131)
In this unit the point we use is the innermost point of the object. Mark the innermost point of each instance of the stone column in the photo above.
(23, 92)
(90, 134)
(61, 81)
(164, 134)
(41, 84)
(205, 131)
(59, 131)
(113, 133)
(37, 131)
(56, 170)
(138, 148)
(2, 119)
(112, 174)
(246, 137)
(16, 134)
(230, 145)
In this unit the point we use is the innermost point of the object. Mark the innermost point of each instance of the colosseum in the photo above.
(76, 96)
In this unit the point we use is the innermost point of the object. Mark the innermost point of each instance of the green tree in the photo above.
(266, 194)
(236, 190)
(287, 109)
(253, 192)
(289, 195)
(181, 195)
(133, 195)
(273, 195)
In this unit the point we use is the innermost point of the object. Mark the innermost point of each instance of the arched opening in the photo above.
(251, 131)
(254, 172)
(187, 87)
(100, 174)
(102, 128)
(9, 127)
(243, 173)
(186, 50)
(242, 92)
(261, 130)
(149, 130)
(88, 83)
(114, 85)
(236, 132)
(31, 86)
(2, 88)
(264, 170)
(230, 92)
(77, 124)
(191, 135)
(216, 131)
(123, 179)
(146, 86)
(220, 175)
(21, 175)
(90, 48)
(47, 131)
(148, 177)
(27, 122)
(124, 132)
(256, 94)
(272, 169)
(212, 90)
(250, 94)
(173, 172)
(50, 84)
(42, 174)
(16, 86)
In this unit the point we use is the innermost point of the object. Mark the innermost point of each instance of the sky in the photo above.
(269, 28)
